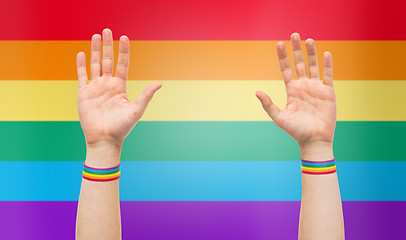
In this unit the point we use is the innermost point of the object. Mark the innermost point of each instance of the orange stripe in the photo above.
(319, 169)
(201, 60)
(101, 176)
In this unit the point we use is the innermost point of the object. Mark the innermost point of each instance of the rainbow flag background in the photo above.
(205, 162)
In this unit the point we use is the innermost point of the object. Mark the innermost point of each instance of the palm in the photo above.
(310, 112)
(104, 110)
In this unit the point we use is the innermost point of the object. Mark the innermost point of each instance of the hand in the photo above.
(105, 114)
(310, 113)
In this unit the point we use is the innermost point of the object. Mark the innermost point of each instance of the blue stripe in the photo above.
(317, 164)
(203, 181)
(101, 171)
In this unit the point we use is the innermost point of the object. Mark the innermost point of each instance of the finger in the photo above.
(284, 63)
(312, 57)
(328, 69)
(95, 65)
(298, 58)
(123, 58)
(268, 105)
(145, 97)
(81, 69)
(108, 54)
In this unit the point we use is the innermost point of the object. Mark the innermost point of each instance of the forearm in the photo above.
(98, 214)
(321, 215)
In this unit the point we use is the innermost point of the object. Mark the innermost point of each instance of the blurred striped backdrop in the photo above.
(205, 162)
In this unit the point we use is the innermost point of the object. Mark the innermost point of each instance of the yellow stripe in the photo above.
(201, 100)
(201, 60)
(318, 169)
(101, 176)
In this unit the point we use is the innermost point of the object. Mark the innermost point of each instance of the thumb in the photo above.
(268, 105)
(145, 97)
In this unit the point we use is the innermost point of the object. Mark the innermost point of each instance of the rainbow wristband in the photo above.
(101, 174)
(319, 167)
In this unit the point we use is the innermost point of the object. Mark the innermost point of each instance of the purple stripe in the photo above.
(327, 161)
(200, 220)
(104, 169)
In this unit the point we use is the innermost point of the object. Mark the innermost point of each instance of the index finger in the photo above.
(284, 63)
(123, 58)
(81, 69)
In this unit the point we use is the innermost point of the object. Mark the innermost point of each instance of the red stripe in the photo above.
(204, 19)
(318, 173)
(101, 180)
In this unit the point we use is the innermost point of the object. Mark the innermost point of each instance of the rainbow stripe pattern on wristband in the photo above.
(101, 174)
(319, 167)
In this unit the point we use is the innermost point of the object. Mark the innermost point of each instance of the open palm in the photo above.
(310, 112)
(105, 113)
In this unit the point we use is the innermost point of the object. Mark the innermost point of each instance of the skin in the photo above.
(310, 118)
(106, 117)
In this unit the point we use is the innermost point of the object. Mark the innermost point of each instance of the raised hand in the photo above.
(105, 113)
(310, 113)
(310, 118)
(107, 117)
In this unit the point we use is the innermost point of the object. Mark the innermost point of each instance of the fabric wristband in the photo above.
(319, 167)
(101, 174)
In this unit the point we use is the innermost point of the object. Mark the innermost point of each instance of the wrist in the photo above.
(103, 154)
(316, 151)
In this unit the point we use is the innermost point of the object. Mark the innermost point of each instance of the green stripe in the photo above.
(318, 166)
(101, 173)
(201, 141)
